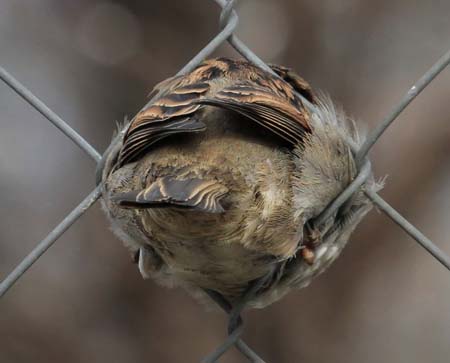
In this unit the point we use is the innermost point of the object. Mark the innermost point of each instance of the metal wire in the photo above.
(412, 93)
(26, 94)
(228, 23)
(48, 241)
(344, 196)
(426, 243)
(240, 345)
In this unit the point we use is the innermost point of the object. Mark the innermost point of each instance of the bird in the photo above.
(217, 182)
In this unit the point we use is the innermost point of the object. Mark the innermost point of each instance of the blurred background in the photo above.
(94, 62)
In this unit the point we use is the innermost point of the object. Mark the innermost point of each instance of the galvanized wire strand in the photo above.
(235, 322)
(243, 50)
(240, 344)
(26, 94)
(225, 346)
(344, 196)
(232, 22)
(254, 288)
(48, 241)
(227, 11)
(412, 93)
(426, 243)
(230, 26)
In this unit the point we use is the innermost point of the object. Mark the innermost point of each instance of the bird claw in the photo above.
(313, 234)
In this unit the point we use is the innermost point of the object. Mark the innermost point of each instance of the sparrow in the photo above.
(215, 184)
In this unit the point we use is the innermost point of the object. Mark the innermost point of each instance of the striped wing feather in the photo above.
(263, 106)
(230, 84)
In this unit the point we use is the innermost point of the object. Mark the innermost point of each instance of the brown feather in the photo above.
(297, 82)
(236, 85)
(192, 193)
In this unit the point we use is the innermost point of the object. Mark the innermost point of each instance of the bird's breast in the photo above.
(224, 251)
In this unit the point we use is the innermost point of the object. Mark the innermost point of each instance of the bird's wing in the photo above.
(264, 106)
(230, 84)
(296, 82)
(168, 191)
(172, 113)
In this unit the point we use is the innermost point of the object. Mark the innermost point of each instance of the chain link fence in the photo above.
(228, 21)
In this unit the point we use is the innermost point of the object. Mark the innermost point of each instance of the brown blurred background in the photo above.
(93, 62)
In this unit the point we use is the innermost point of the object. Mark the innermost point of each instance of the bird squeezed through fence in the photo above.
(223, 106)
